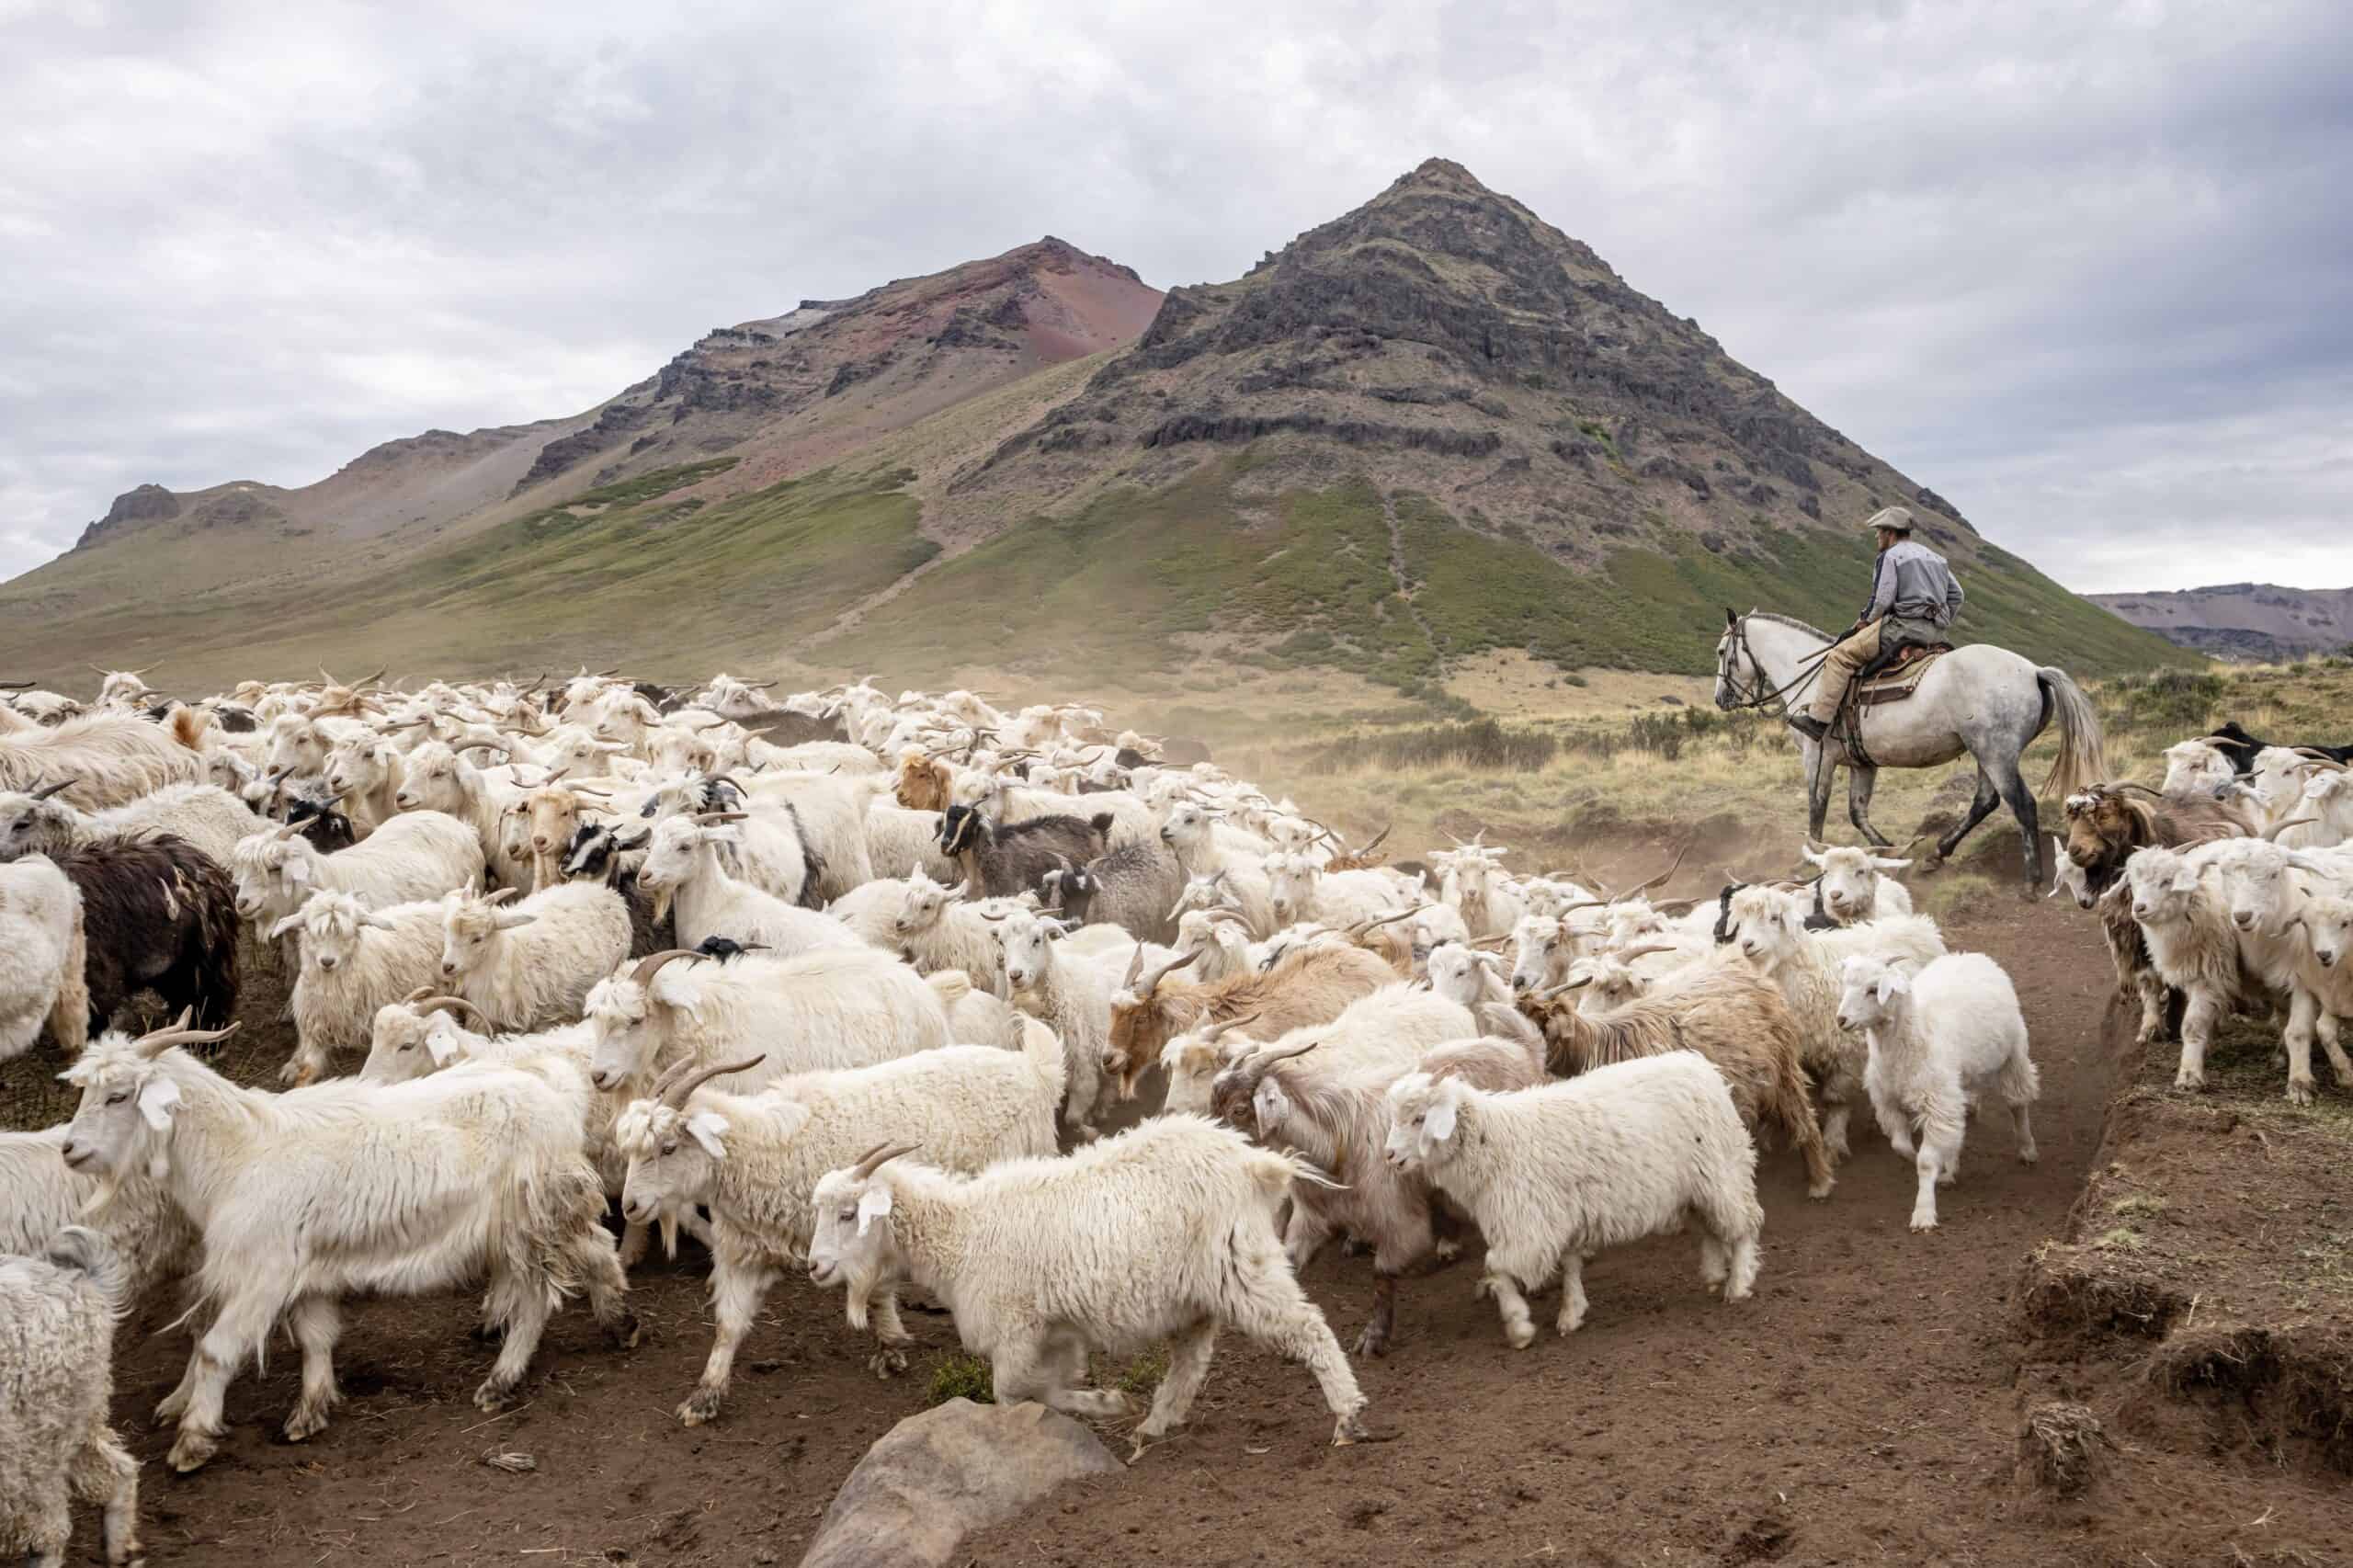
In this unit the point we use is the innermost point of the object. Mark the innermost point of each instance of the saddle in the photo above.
(1892, 677)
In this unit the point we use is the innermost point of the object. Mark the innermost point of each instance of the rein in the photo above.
(1807, 670)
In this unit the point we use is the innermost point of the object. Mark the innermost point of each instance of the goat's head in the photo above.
(1850, 881)
(2165, 883)
(419, 1034)
(924, 904)
(852, 1243)
(1025, 943)
(673, 1146)
(130, 1088)
(1872, 991)
(630, 1016)
(1766, 922)
(472, 925)
(925, 783)
(1145, 1012)
(34, 823)
(1423, 1113)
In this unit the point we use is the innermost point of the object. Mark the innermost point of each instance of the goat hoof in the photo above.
(1520, 1335)
(700, 1406)
(886, 1364)
(2299, 1094)
(1352, 1429)
(626, 1333)
(191, 1453)
(1373, 1342)
(2189, 1083)
(1927, 1223)
(493, 1396)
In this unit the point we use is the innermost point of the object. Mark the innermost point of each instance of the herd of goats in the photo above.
(868, 987)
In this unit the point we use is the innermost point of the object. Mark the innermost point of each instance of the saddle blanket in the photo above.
(1901, 679)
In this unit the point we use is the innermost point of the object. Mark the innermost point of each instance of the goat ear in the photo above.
(1811, 857)
(509, 918)
(284, 925)
(1892, 984)
(873, 1204)
(298, 871)
(2186, 880)
(156, 1098)
(441, 1039)
(1438, 1122)
(1885, 865)
(706, 1128)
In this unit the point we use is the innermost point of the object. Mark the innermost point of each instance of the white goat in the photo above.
(837, 1007)
(423, 854)
(1768, 927)
(1164, 1232)
(532, 966)
(354, 960)
(685, 870)
(1071, 997)
(1938, 1037)
(1854, 884)
(43, 959)
(426, 1187)
(57, 1315)
(754, 1160)
(204, 814)
(1553, 1174)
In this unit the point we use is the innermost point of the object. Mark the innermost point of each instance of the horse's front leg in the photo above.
(1989, 795)
(1818, 772)
(1860, 782)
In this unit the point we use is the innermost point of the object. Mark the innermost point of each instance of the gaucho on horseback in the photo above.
(1914, 597)
(1985, 702)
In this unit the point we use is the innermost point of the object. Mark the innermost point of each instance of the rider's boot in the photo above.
(1809, 726)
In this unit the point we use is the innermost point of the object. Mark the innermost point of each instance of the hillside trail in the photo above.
(1863, 1407)
(1397, 570)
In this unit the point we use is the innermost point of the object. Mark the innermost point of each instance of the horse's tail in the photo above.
(2082, 760)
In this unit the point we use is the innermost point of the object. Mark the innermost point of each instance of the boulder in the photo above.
(938, 1476)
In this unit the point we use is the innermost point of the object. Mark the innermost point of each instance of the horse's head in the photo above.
(1728, 655)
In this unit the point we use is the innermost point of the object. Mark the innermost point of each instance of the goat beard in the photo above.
(661, 904)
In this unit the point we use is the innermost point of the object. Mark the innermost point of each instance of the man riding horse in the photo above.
(1914, 599)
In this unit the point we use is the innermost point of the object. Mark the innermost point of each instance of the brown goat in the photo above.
(2108, 822)
(1310, 986)
(1732, 1016)
(924, 782)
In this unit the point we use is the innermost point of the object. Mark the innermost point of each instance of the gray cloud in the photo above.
(2078, 268)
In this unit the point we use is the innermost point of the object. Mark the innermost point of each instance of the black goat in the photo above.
(327, 829)
(1133, 887)
(2233, 741)
(1013, 858)
(597, 856)
(157, 912)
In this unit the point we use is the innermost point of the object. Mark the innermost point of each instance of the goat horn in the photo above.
(503, 895)
(651, 965)
(1191, 955)
(1135, 967)
(446, 1004)
(1684, 905)
(711, 819)
(1217, 1031)
(1265, 1060)
(290, 830)
(46, 790)
(2216, 740)
(178, 1033)
(1235, 916)
(1672, 868)
(1491, 941)
(1378, 839)
(2273, 834)
(1568, 985)
(419, 995)
(677, 1095)
(1363, 927)
(875, 1158)
(1645, 950)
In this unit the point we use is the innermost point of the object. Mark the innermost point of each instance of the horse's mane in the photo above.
(1791, 620)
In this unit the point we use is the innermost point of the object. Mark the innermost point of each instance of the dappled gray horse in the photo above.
(1980, 700)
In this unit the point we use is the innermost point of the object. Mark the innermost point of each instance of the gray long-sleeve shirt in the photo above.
(1913, 583)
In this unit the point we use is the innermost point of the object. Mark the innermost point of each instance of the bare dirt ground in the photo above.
(1864, 1407)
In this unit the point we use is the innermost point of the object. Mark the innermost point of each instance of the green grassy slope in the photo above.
(630, 572)
(1146, 582)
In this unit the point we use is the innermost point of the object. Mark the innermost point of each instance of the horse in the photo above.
(1980, 700)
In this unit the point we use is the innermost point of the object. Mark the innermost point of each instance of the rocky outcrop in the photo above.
(147, 504)
(937, 1477)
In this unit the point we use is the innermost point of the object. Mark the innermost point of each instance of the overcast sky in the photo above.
(2083, 268)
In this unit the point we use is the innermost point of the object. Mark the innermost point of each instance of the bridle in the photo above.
(1755, 695)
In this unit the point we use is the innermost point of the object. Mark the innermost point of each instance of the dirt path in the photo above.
(1862, 1408)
